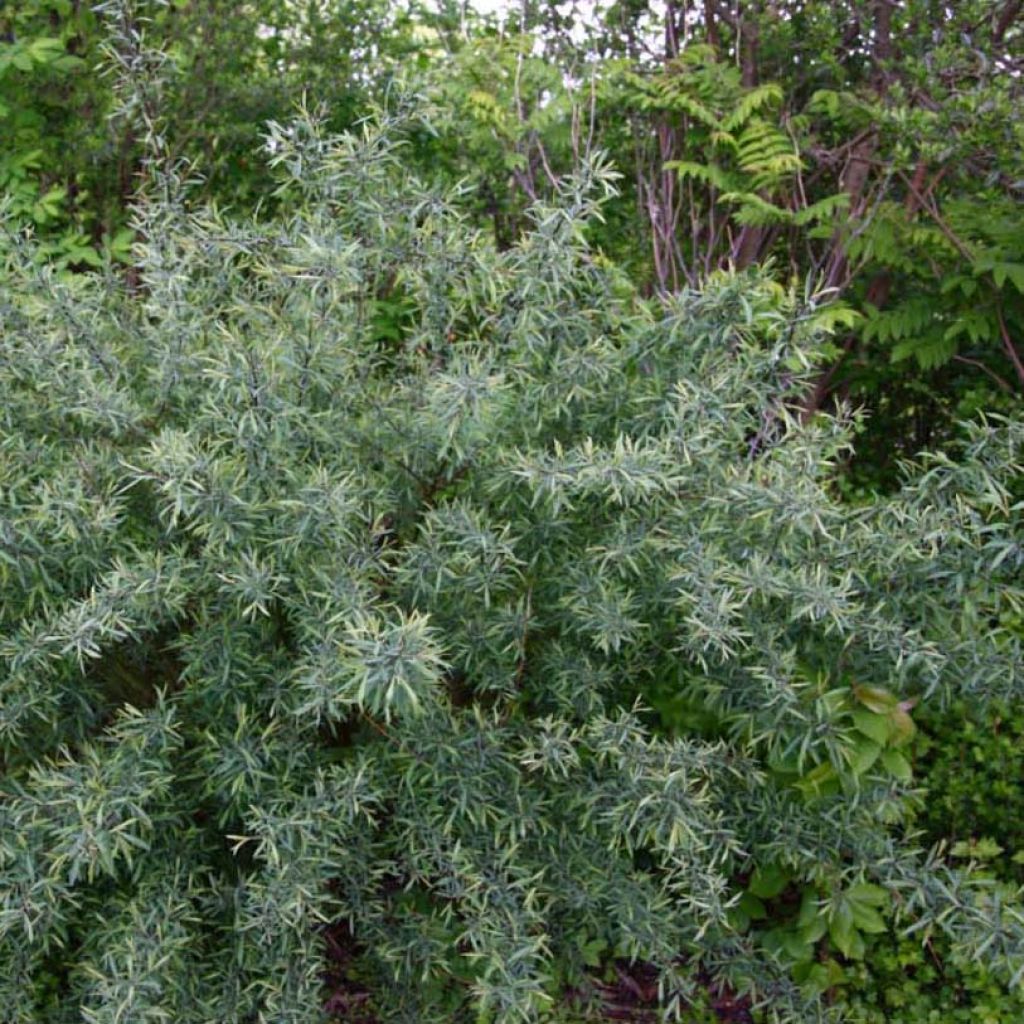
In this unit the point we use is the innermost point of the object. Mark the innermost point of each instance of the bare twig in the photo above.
(1004, 385)
(1011, 349)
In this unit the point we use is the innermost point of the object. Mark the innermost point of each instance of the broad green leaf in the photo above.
(896, 764)
(875, 698)
(875, 726)
(864, 754)
(768, 881)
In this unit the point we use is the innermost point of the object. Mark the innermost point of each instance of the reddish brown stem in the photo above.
(1011, 349)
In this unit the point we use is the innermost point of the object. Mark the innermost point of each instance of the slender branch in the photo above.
(929, 208)
(1009, 15)
(1003, 384)
(1011, 349)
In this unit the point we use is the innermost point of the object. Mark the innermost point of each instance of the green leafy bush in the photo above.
(347, 567)
(973, 767)
(906, 982)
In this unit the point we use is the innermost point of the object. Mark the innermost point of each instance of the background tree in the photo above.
(71, 167)
(870, 148)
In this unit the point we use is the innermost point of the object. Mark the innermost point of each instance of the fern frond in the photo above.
(756, 211)
(709, 174)
(751, 103)
(822, 210)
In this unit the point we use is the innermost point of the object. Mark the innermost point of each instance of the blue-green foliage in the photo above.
(309, 622)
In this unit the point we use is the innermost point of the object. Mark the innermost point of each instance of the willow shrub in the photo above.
(343, 561)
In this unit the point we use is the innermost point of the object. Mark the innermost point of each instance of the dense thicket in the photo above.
(871, 147)
(315, 619)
